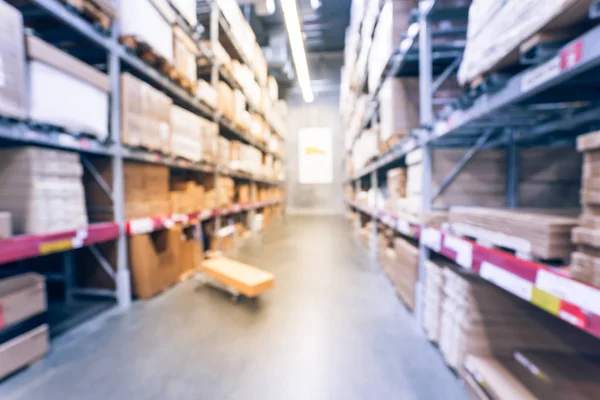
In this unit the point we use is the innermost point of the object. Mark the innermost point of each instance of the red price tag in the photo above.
(572, 314)
(571, 56)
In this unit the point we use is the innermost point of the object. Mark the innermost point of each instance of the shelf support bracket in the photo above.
(512, 167)
(97, 177)
(446, 74)
(102, 261)
(463, 162)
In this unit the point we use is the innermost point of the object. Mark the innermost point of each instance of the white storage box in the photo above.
(141, 19)
(58, 98)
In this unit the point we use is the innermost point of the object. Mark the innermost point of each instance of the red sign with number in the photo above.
(571, 56)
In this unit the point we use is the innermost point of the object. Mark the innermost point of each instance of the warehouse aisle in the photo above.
(332, 329)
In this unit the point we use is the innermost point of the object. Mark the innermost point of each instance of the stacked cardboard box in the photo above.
(224, 151)
(273, 88)
(482, 182)
(24, 338)
(398, 109)
(186, 197)
(210, 135)
(82, 106)
(406, 271)
(13, 97)
(206, 93)
(545, 234)
(481, 320)
(192, 249)
(365, 149)
(392, 25)
(145, 115)
(435, 219)
(219, 53)
(42, 190)
(549, 177)
(219, 193)
(535, 375)
(396, 187)
(185, 53)
(434, 298)
(498, 28)
(226, 103)
(585, 262)
(186, 135)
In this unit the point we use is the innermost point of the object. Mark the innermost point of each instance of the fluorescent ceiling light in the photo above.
(315, 4)
(292, 24)
(405, 45)
(413, 29)
(270, 6)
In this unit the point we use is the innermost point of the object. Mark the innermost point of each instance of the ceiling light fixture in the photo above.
(270, 6)
(315, 4)
(292, 24)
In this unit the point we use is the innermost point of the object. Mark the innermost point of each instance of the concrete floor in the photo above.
(331, 329)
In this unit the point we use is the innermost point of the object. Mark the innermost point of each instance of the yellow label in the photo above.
(56, 246)
(545, 301)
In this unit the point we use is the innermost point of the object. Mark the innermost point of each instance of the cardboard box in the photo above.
(83, 105)
(187, 8)
(186, 134)
(145, 115)
(206, 93)
(13, 95)
(399, 107)
(23, 350)
(226, 103)
(42, 190)
(185, 53)
(273, 88)
(6, 231)
(249, 281)
(153, 261)
(22, 297)
(192, 249)
(143, 20)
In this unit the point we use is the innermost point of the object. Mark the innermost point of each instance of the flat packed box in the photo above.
(13, 95)
(145, 115)
(23, 350)
(22, 297)
(82, 106)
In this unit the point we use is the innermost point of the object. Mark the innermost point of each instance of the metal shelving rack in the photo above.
(547, 103)
(117, 58)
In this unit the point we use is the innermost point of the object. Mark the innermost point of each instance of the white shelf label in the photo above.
(403, 227)
(432, 238)
(506, 280)
(569, 290)
(168, 223)
(463, 249)
(541, 74)
(144, 225)
(67, 140)
(79, 238)
(205, 214)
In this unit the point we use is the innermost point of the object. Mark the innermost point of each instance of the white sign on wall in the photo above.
(315, 162)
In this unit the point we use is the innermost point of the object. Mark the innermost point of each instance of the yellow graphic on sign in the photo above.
(314, 150)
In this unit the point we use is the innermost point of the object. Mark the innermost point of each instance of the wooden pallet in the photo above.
(520, 247)
(147, 53)
(98, 12)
